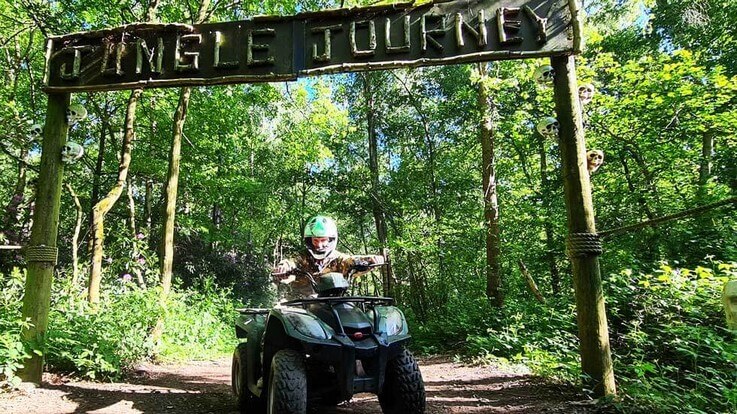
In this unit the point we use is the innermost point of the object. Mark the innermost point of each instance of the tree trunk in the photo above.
(172, 183)
(530, 282)
(12, 226)
(707, 154)
(96, 176)
(13, 209)
(103, 207)
(546, 194)
(491, 206)
(170, 195)
(584, 246)
(417, 286)
(134, 236)
(377, 206)
(216, 211)
(75, 237)
(648, 176)
(148, 201)
(633, 190)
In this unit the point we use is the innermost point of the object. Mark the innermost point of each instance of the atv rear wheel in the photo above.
(287, 383)
(247, 402)
(403, 391)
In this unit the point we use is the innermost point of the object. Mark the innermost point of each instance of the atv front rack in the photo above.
(364, 300)
(253, 311)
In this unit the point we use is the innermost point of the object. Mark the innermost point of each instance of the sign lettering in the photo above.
(282, 48)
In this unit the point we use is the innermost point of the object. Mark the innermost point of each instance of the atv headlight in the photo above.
(394, 322)
(309, 326)
(391, 320)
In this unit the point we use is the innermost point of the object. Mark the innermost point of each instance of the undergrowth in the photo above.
(105, 340)
(670, 348)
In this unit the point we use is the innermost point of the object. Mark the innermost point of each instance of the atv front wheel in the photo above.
(287, 383)
(247, 402)
(403, 391)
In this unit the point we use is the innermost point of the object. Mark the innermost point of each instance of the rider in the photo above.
(320, 237)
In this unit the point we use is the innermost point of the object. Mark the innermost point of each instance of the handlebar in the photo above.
(290, 275)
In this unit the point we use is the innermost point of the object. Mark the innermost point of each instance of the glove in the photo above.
(361, 265)
(282, 267)
(279, 272)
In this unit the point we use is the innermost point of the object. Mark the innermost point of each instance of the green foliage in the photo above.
(198, 324)
(101, 341)
(104, 341)
(670, 344)
(542, 337)
(12, 350)
(706, 25)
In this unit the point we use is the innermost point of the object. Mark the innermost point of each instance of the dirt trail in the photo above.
(204, 387)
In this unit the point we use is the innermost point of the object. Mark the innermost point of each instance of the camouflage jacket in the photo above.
(334, 262)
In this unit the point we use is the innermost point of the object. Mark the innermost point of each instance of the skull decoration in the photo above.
(71, 152)
(729, 298)
(586, 93)
(35, 131)
(544, 75)
(76, 113)
(548, 127)
(594, 159)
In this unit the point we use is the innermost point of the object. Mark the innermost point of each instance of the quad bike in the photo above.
(323, 350)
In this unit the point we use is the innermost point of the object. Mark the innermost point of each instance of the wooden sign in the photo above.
(270, 48)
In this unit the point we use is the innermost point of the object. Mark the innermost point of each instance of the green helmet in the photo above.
(320, 226)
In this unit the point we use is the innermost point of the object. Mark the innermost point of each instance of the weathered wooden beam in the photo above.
(574, 8)
(276, 48)
(41, 251)
(583, 243)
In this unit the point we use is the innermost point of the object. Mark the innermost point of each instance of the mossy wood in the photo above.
(596, 359)
(40, 273)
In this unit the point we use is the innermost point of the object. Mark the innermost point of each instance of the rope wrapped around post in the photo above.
(583, 245)
(45, 254)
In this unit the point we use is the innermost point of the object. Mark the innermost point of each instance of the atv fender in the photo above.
(293, 328)
(250, 325)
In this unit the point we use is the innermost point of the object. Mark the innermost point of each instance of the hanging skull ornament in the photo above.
(35, 131)
(544, 75)
(76, 113)
(594, 159)
(71, 152)
(729, 298)
(586, 93)
(548, 127)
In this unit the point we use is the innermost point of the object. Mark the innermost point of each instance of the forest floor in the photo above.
(204, 387)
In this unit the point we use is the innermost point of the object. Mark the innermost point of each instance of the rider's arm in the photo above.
(283, 267)
(368, 259)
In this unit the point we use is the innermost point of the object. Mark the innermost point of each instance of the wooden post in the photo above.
(583, 243)
(41, 253)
